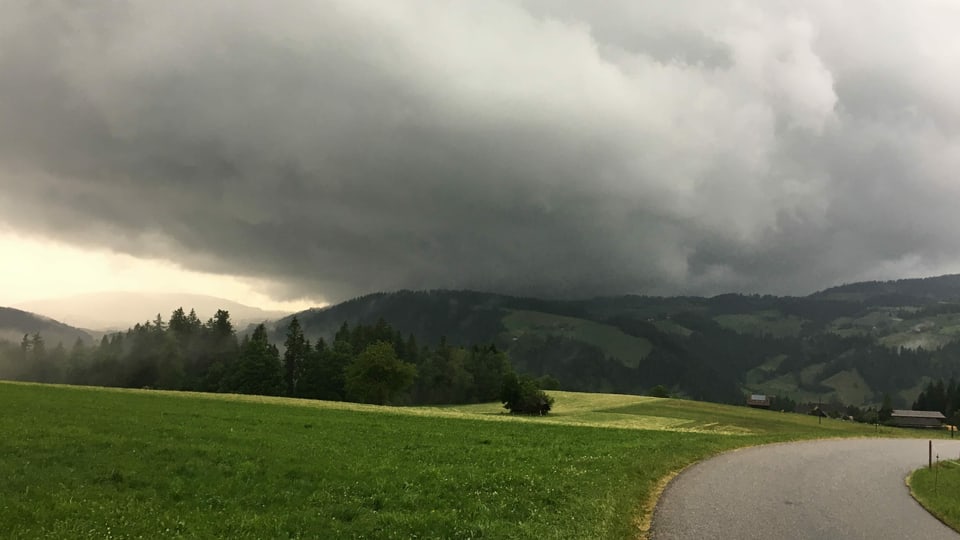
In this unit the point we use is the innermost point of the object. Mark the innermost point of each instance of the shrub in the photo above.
(659, 391)
(522, 395)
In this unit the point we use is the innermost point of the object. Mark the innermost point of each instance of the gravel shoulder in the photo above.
(848, 488)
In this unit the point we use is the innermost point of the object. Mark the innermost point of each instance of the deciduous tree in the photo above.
(377, 376)
(521, 395)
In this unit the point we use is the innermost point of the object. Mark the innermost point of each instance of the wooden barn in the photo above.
(759, 401)
(917, 419)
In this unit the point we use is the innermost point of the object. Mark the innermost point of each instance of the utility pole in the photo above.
(819, 410)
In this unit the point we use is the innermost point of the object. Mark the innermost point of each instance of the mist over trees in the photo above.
(363, 363)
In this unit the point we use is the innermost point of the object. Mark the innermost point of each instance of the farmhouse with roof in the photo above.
(759, 401)
(917, 419)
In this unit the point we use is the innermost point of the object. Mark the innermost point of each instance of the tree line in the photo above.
(364, 363)
(943, 396)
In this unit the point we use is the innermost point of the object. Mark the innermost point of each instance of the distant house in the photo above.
(825, 410)
(759, 401)
(917, 419)
(818, 411)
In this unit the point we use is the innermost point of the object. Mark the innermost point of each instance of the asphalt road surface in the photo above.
(852, 488)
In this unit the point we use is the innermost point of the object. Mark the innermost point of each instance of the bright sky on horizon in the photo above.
(40, 269)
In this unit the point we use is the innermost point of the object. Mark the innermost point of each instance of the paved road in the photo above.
(819, 490)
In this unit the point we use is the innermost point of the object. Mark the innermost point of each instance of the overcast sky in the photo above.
(311, 151)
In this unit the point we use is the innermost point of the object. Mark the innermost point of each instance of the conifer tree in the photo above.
(77, 363)
(258, 370)
(311, 382)
(220, 352)
(295, 356)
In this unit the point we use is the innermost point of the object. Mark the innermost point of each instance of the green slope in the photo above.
(14, 323)
(850, 387)
(614, 342)
(765, 322)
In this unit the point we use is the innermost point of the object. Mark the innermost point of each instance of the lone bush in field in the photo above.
(659, 391)
(522, 395)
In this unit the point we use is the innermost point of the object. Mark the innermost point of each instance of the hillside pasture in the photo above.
(628, 349)
(772, 323)
(929, 333)
(850, 387)
(785, 386)
(765, 371)
(668, 326)
(882, 319)
(929, 340)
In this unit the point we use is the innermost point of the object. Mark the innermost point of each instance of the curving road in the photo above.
(852, 488)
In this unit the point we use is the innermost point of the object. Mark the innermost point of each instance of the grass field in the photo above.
(670, 327)
(614, 342)
(937, 490)
(106, 463)
(850, 387)
(771, 323)
(930, 332)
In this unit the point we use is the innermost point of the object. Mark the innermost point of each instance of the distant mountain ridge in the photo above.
(940, 288)
(14, 323)
(122, 310)
(853, 343)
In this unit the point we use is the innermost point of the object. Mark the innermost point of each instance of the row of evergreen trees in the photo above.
(940, 396)
(364, 363)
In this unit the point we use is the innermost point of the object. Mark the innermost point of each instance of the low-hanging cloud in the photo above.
(542, 147)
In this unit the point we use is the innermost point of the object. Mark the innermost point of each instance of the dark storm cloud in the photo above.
(542, 147)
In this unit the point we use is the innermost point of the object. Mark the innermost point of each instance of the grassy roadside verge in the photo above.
(97, 463)
(937, 490)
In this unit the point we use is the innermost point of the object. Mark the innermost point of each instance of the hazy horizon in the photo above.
(119, 310)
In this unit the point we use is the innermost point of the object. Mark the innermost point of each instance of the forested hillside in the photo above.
(852, 344)
(14, 323)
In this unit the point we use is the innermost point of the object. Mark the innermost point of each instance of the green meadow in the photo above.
(612, 341)
(82, 462)
(772, 323)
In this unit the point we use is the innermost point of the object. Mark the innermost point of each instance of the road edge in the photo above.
(644, 519)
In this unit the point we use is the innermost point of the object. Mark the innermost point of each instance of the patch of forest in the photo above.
(362, 363)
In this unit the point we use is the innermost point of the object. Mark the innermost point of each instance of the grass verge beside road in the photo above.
(938, 490)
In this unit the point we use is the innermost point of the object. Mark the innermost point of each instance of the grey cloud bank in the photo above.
(539, 147)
